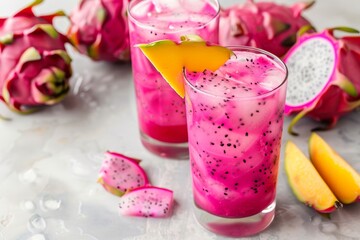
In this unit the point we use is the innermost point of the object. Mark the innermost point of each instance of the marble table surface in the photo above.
(49, 160)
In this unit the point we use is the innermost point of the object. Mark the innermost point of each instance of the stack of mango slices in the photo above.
(326, 181)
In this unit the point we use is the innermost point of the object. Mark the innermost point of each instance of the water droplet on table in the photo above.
(37, 237)
(28, 205)
(28, 176)
(36, 223)
(93, 104)
(80, 168)
(328, 227)
(49, 203)
(77, 79)
(88, 237)
(80, 210)
(6, 220)
(102, 88)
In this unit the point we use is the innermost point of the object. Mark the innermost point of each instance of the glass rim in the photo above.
(246, 49)
(144, 25)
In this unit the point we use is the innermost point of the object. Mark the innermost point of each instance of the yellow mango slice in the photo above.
(192, 53)
(306, 182)
(342, 179)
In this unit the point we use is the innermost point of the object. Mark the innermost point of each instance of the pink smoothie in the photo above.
(235, 118)
(161, 111)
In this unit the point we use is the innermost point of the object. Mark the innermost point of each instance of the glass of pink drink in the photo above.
(161, 112)
(235, 119)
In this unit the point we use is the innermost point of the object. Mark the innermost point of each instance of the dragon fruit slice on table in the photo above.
(147, 201)
(323, 81)
(119, 174)
(99, 29)
(266, 25)
(34, 65)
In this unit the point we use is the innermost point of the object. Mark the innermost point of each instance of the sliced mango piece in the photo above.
(342, 179)
(192, 53)
(306, 182)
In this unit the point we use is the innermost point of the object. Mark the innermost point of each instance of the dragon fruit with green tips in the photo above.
(323, 80)
(99, 29)
(34, 66)
(120, 173)
(265, 25)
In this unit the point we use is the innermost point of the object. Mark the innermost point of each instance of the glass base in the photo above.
(163, 149)
(236, 227)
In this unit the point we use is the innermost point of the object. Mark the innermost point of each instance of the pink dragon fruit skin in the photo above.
(34, 65)
(99, 29)
(124, 177)
(340, 92)
(147, 201)
(119, 174)
(265, 25)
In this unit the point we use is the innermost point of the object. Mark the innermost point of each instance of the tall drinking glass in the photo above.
(161, 112)
(235, 119)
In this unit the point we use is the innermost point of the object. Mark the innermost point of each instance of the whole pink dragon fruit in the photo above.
(265, 25)
(99, 29)
(34, 65)
(323, 80)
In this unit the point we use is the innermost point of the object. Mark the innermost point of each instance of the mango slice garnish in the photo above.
(192, 53)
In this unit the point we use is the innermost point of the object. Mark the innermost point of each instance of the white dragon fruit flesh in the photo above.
(147, 201)
(323, 81)
(119, 174)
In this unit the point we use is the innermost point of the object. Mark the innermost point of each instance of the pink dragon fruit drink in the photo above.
(161, 112)
(235, 118)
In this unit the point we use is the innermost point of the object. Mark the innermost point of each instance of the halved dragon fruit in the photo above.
(323, 81)
(147, 201)
(119, 174)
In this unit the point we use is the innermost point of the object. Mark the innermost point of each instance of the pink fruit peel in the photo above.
(99, 29)
(266, 25)
(124, 177)
(120, 174)
(34, 65)
(147, 201)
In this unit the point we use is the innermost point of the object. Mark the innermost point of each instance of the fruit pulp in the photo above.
(235, 119)
(161, 112)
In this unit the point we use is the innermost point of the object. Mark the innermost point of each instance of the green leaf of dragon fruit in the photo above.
(35, 68)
